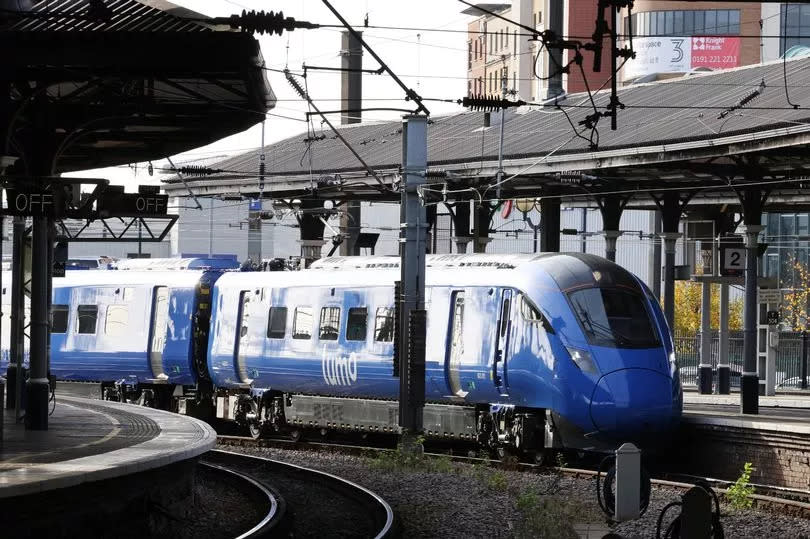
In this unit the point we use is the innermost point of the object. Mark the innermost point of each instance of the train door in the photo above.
(456, 344)
(159, 326)
(503, 330)
(242, 336)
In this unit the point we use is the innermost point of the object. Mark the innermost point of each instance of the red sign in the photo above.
(715, 52)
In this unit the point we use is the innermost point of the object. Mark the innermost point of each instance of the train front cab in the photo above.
(618, 380)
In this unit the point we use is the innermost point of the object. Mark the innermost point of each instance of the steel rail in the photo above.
(375, 499)
(277, 505)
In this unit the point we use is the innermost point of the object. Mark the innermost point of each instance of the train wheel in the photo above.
(255, 430)
(296, 435)
(539, 457)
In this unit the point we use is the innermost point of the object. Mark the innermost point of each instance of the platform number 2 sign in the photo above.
(733, 259)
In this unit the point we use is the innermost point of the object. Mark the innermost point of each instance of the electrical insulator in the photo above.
(488, 103)
(295, 85)
(259, 22)
(193, 170)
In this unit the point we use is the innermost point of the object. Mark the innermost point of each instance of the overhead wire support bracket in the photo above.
(378, 71)
(305, 96)
(410, 94)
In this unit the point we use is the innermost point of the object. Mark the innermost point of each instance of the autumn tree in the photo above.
(795, 300)
(688, 303)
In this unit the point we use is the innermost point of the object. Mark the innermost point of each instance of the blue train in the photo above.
(524, 352)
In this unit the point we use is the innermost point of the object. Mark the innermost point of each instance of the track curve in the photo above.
(314, 501)
(273, 520)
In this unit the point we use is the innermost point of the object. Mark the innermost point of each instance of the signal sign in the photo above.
(40, 203)
(732, 258)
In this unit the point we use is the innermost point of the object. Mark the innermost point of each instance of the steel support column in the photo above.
(412, 278)
(351, 96)
(749, 382)
(705, 367)
(611, 237)
(723, 367)
(669, 239)
(671, 206)
(550, 225)
(752, 200)
(460, 213)
(36, 412)
(311, 230)
(611, 207)
(483, 219)
(14, 397)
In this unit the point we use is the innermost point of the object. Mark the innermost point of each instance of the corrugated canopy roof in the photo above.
(663, 122)
(152, 81)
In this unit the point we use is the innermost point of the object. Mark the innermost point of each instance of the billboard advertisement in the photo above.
(658, 54)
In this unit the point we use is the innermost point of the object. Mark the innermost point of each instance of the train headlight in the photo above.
(673, 362)
(583, 360)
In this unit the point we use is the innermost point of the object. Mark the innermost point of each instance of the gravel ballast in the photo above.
(449, 499)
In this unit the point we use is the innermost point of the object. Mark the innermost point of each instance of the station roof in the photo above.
(148, 80)
(686, 133)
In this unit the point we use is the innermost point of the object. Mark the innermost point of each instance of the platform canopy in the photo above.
(140, 80)
(705, 132)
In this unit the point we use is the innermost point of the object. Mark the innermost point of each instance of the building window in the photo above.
(708, 22)
(797, 31)
(277, 322)
(330, 323)
(469, 55)
(356, 324)
(86, 319)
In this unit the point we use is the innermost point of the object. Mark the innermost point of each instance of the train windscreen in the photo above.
(614, 317)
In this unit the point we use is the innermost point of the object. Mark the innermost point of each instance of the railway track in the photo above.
(309, 503)
(273, 521)
(770, 498)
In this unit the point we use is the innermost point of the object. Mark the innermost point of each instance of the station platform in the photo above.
(716, 440)
(98, 463)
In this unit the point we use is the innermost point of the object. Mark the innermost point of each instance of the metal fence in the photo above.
(788, 357)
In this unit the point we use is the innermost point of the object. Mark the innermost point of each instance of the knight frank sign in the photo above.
(658, 54)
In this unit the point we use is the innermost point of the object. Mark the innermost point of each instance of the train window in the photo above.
(117, 320)
(356, 324)
(528, 311)
(384, 324)
(277, 323)
(59, 319)
(159, 326)
(302, 323)
(86, 319)
(129, 293)
(505, 315)
(614, 317)
(532, 314)
(330, 323)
